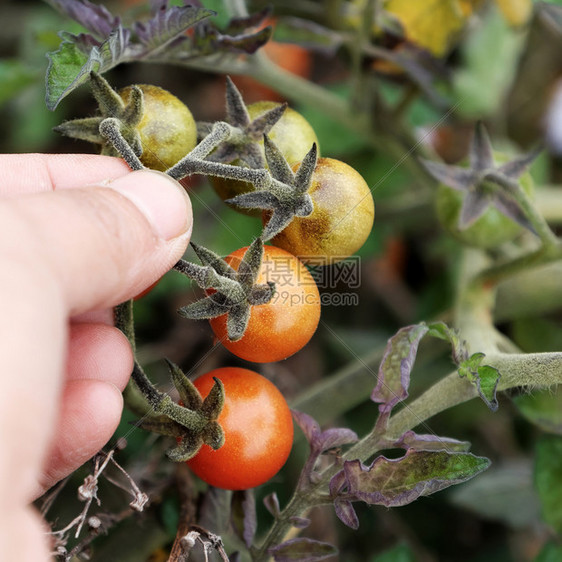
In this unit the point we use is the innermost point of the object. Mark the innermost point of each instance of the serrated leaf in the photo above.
(168, 24)
(397, 482)
(94, 17)
(441, 331)
(484, 377)
(396, 365)
(430, 442)
(542, 408)
(346, 513)
(303, 550)
(548, 479)
(69, 67)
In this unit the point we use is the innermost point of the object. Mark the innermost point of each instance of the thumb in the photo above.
(101, 245)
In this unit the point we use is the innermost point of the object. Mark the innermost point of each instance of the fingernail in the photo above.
(161, 199)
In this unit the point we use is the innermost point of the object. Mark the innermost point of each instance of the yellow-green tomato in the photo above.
(342, 218)
(491, 229)
(167, 129)
(293, 135)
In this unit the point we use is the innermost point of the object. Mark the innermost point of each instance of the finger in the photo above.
(35, 173)
(101, 245)
(89, 415)
(100, 352)
(103, 316)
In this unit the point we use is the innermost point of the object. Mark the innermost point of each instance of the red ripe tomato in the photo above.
(258, 431)
(283, 326)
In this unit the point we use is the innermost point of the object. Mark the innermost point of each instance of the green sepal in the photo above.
(189, 395)
(186, 449)
(235, 291)
(212, 405)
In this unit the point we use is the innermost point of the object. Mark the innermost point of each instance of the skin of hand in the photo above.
(78, 235)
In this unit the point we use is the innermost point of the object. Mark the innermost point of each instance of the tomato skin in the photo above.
(293, 135)
(283, 326)
(258, 431)
(342, 219)
(167, 130)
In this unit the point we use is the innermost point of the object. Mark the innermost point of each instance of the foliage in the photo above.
(412, 94)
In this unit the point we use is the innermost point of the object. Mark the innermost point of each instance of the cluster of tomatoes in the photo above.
(256, 419)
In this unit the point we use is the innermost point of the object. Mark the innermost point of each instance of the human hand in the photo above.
(78, 235)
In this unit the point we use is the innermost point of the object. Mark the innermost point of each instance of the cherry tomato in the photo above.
(283, 326)
(490, 230)
(293, 135)
(342, 218)
(167, 130)
(258, 431)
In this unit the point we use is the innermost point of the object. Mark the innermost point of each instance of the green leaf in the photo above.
(542, 408)
(548, 479)
(484, 377)
(70, 66)
(398, 482)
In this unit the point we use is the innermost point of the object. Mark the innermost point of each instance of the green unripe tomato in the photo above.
(167, 130)
(293, 135)
(492, 229)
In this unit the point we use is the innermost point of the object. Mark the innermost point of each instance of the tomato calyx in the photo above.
(230, 292)
(484, 182)
(286, 197)
(244, 143)
(193, 422)
(126, 117)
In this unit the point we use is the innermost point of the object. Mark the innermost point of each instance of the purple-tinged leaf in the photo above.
(308, 34)
(412, 440)
(334, 437)
(303, 550)
(321, 441)
(167, 24)
(69, 67)
(239, 25)
(247, 43)
(337, 483)
(299, 522)
(271, 502)
(308, 424)
(215, 510)
(398, 482)
(481, 153)
(461, 179)
(396, 365)
(346, 513)
(94, 17)
(243, 515)
(473, 207)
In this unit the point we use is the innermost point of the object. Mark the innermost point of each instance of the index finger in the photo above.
(34, 173)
